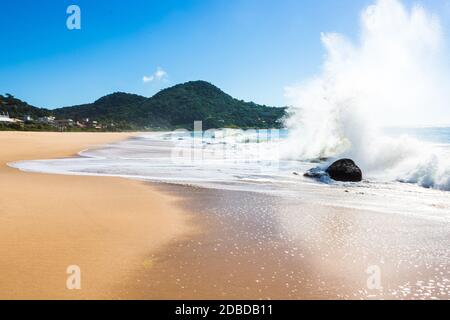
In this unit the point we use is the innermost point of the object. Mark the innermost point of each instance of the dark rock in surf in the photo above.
(345, 170)
(315, 173)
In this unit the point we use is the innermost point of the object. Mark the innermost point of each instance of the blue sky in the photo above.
(251, 49)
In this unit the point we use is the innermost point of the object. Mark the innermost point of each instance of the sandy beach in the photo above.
(106, 226)
(255, 246)
(142, 240)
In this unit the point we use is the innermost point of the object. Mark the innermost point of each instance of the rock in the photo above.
(344, 170)
(319, 174)
(315, 173)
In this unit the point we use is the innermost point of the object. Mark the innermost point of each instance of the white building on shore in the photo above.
(4, 117)
(47, 120)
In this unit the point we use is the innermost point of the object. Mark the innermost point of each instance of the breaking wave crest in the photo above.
(394, 74)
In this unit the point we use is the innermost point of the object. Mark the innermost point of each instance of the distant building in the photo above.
(80, 124)
(88, 123)
(27, 119)
(64, 123)
(4, 117)
(47, 120)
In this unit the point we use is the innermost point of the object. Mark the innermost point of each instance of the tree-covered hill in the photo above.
(182, 104)
(17, 108)
(117, 108)
(175, 107)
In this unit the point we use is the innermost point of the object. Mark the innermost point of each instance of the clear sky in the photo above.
(251, 49)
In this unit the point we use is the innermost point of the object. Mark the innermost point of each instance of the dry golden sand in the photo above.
(106, 226)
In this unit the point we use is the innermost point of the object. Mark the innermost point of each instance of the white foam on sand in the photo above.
(241, 164)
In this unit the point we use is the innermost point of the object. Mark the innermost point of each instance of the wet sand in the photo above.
(106, 226)
(136, 240)
(254, 246)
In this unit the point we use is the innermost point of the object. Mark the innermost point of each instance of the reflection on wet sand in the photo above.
(255, 246)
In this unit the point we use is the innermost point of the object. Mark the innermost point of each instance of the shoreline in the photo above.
(255, 246)
(105, 225)
(187, 242)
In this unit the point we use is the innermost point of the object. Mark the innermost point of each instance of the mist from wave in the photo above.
(247, 161)
(395, 73)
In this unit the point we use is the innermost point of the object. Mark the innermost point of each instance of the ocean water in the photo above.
(257, 161)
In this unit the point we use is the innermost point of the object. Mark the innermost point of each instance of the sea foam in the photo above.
(395, 73)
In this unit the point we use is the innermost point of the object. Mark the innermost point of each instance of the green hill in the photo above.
(117, 108)
(176, 107)
(17, 108)
(182, 104)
